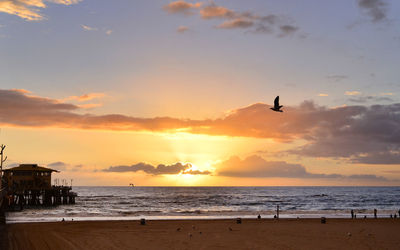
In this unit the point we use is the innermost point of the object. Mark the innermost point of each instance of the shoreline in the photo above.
(19, 217)
(381, 233)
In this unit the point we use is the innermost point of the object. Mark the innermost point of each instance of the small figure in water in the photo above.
(375, 211)
(352, 214)
(259, 217)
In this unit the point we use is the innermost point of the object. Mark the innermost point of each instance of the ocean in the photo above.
(129, 203)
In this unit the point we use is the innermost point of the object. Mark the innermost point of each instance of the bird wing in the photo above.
(276, 102)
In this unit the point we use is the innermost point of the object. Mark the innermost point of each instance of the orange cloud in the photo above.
(85, 97)
(362, 134)
(236, 23)
(29, 9)
(182, 29)
(256, 167)
(352, 93)
(236, 19)
(181, 7)
(214, 11)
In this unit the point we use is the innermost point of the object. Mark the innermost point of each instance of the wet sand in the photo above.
(207, 234)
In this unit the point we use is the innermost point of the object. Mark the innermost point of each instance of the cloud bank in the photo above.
(29, 9)
(231, 19)
(161, 169)
(256, 167)
(375, 9)
(363, 134)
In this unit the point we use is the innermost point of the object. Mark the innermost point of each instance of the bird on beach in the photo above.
(277, 107)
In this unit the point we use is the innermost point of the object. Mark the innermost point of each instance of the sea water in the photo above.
(129, 203)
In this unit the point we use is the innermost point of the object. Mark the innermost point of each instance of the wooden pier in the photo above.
(29, 185)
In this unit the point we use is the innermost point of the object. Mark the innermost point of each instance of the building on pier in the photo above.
(28, 176)
(30, 184)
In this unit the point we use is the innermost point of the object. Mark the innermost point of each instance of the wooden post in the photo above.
(1, 162)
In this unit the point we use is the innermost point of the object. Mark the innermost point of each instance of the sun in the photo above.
(186, 179)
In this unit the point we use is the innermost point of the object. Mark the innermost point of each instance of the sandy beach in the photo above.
(207, 234)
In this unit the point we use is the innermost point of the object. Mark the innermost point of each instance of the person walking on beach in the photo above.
(352, 214)
(277, 211)
(375, 211)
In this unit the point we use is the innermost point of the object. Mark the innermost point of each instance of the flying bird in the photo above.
(277, 107)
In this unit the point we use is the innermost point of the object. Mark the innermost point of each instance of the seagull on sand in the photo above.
(277, 107)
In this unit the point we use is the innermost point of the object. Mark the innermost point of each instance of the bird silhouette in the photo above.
(277, 107)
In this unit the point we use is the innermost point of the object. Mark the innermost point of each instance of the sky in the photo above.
(178, 93)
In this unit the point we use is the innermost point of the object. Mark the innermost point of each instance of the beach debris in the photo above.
(323, 220)
(349, 234)
(190, 235)
(239, 221)
(142, 221)
(178, 229)
(230, 229)
(200, 232)
(193, 227)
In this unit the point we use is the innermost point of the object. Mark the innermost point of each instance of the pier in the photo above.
(29, 185)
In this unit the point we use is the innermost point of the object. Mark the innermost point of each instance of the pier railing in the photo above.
(52, 196)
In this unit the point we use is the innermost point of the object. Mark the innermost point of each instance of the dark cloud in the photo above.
(351, 131)
(197, 172)
(58, 165)
(369, 135)
(256, 167)
(380, 157)
(286, 30)
(20, 109)
(365, 99)
(337, 78)
(159, 170)
(375, 9)
(231, 19)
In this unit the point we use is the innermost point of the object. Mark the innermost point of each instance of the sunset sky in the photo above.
(167, 93)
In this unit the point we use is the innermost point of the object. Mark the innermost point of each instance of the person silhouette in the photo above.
(375, 212)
